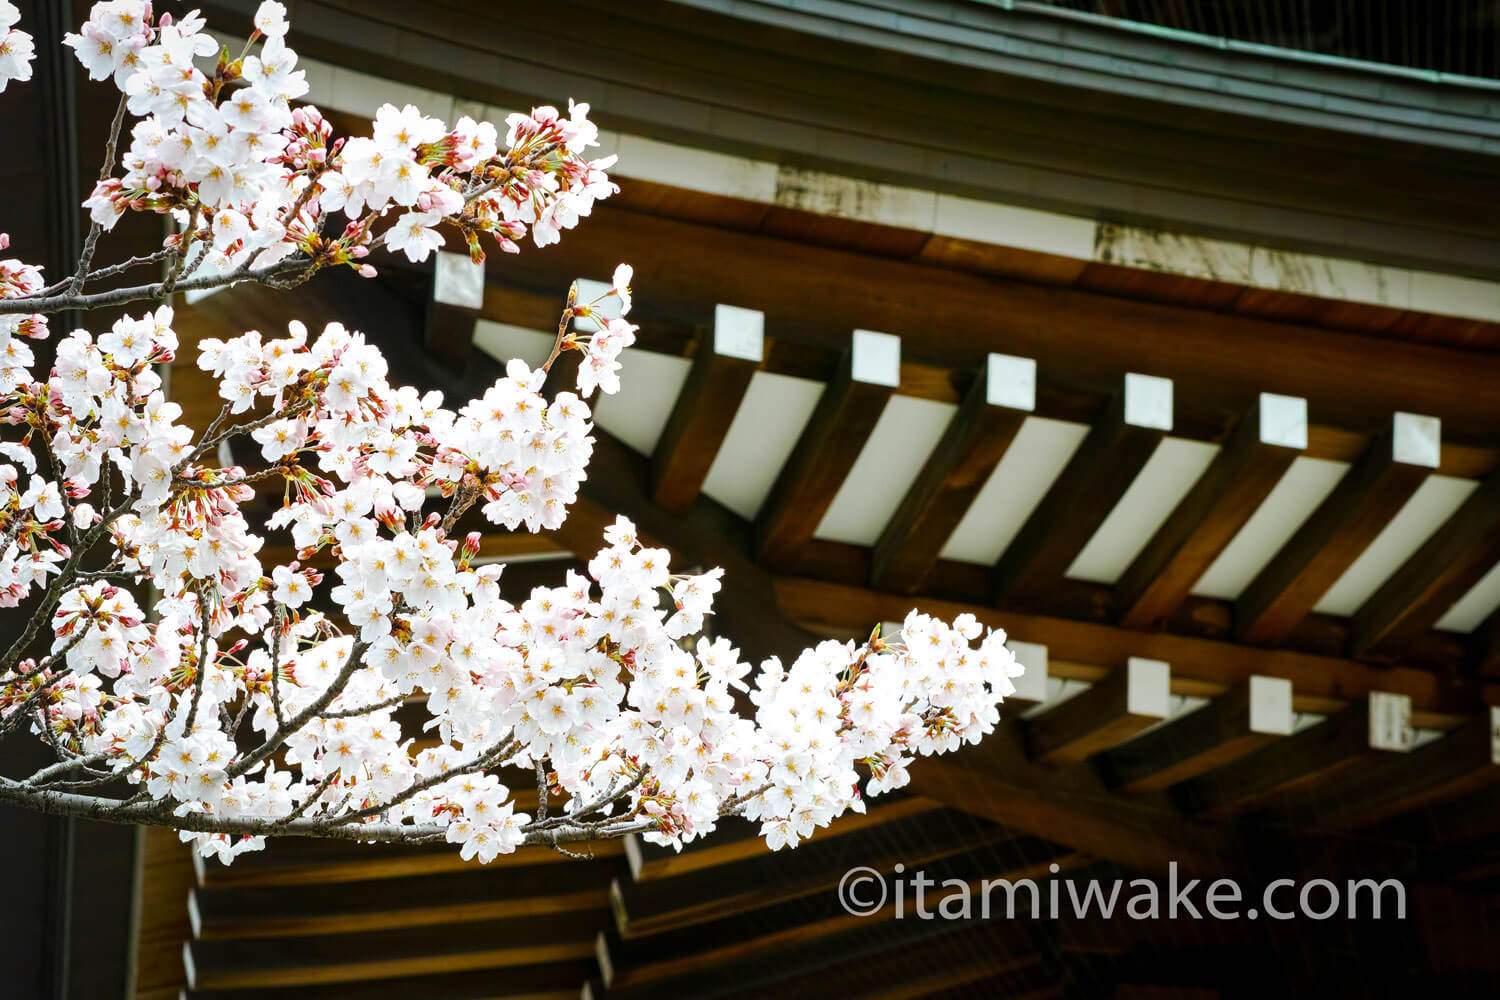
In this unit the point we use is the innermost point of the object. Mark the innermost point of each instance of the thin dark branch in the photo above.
(86, 258)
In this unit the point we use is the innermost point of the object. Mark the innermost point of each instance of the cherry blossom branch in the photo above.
(63, 803)
(81, 272)
(302, 718)
(493, 757)
(354, 713)
(98, 274)
(608, 686)
(277, 618)
(60, 583)
(157, 291)
(313, 796)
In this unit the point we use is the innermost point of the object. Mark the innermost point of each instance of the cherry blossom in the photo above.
(16, 47)
(261, 189)
(258, 693)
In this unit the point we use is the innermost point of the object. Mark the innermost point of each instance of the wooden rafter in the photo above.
(1483, 653)
(1310, 757)
(1128, 699)
(1459, 553)
(831, 443)
(1250, 464)
(973, 444)
(1458, 763)
(453, 309)
(1228, 727)
(1096, 477)
(706, 406)
(1343, 526)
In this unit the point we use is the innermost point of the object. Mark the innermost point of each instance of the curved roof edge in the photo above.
(1069, 48)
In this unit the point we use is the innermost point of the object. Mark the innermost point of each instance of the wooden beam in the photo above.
(470, 894)
(768, 879)
(362, 955)
(1252, 713)
(840, 427)
(448, 334)
(675, 329)
(453, 309)
(1321, 683)
(1482, 655)
(1458, 763)
(1096, 477)
(1458, 554)
(801, 935)
(294, 861)
(1303, 760)
(976, 439)
(1111, 711)
(545, 981)
(736, 841)
(1336, 534)
(1250, 464)
(706, 406)
(1071, 806)
(1083, 338)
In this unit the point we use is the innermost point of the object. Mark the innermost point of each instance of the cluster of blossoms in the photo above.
(18, 280)
(16, 47)
(255, 182)
(271, 687)
(597, 683)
